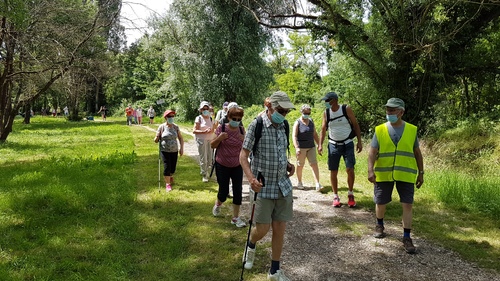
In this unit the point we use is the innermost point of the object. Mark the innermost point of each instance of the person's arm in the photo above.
(322, 134)
(295, 133)
(357, 129)
(181, 142)
(159, 132)
(222, 136)
(372, 157)
(420, 165)
(245, 165)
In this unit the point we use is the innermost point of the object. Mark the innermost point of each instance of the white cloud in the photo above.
(135, 13)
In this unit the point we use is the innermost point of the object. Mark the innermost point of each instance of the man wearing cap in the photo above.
(340, 122)
(395, 157)
(203, 131)
(269, 175)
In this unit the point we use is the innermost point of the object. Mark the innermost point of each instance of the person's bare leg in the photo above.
(350, 178)
(279, 228)
(334, 181)
(315, 169)
(407, 215)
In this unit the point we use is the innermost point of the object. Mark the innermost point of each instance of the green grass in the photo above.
(80, 201)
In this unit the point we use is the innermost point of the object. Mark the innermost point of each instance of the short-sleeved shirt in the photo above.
(205, 123)
(305, 134)
(168, 137)
(129, 111)
(228, 151)
(270, 158)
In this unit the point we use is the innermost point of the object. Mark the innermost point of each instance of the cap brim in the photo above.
(286, 104)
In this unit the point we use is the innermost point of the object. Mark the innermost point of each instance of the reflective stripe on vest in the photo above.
(396, 163)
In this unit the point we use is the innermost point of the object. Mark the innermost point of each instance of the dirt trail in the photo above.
(319, 247)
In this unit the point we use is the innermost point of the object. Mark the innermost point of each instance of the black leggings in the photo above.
(169, 162)
(223, 175)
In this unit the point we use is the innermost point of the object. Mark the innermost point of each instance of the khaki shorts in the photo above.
(269, 210)
(310, 154)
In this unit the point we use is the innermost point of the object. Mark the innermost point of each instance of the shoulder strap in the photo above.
(258, 132)
(223, 127)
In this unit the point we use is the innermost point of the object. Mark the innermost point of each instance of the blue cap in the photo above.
(330, 96)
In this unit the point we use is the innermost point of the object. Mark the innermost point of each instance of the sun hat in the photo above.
(281, 99)
(233, 104)
(168, 112)
(203, 104)
(225, 104)
(305, 107)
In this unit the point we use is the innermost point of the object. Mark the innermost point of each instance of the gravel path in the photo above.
(325, 243)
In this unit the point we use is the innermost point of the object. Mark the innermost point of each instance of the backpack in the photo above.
(258, 133)
(344, 114)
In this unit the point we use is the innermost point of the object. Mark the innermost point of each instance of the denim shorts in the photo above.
(336, 151)
(382, 192)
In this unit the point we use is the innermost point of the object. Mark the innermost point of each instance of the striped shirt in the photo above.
(270, 158)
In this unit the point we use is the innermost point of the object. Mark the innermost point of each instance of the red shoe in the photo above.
(336, 202)
(351, 201)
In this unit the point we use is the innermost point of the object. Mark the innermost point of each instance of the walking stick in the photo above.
(159, 164)
(248, 236)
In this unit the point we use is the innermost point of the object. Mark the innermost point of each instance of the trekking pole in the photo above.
(248, 236)
(159, 164)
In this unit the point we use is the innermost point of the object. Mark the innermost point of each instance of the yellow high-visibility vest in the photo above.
(396, 163)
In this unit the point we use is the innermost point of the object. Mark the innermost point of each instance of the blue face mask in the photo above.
(391, 118)
(277, 118)
(328, 105)
(234, 124)
(305, 116)
(205, 112)
(170, 120)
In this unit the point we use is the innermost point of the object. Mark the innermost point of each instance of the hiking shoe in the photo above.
(408, 244)
(351, 201)
(278, 276)
(168, 187)
(238, 222)
(379, 231)
(300, 185)
(216, 210)
(336, 202)
(249, 259)
(204, 179)
(318, 186)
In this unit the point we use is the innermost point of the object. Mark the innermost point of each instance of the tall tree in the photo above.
(214, 49)
(408, 49)
(40, 41)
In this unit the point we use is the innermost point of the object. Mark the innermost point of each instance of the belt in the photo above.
(340, 142)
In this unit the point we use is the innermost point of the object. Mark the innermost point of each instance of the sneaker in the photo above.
(204, 179)
(238, 222)
(408, 244)
(379, 231)
(336, 202)
(168, 187)
(278, 276)
(249, 259)
(351, 201)
(318, 186)
(300, 185)
(216, 210)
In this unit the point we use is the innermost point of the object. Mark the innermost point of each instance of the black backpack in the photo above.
(344, 114)
(258, 133)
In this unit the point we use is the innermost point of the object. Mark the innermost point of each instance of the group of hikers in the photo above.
(259, 152)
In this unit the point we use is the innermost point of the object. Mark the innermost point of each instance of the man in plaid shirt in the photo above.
(269, 175)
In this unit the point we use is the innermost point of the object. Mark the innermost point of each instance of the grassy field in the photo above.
(80, 201)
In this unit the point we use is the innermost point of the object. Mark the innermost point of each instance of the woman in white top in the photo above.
(203, 131)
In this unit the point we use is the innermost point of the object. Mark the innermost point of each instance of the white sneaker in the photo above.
(204, 179)
(238, 222)
(300, 185)
(216, 210)
(318, 186)
(278, 276)
(250, 258)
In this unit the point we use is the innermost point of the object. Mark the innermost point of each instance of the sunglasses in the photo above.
(328, 100)
(282, 111)
(236, 119)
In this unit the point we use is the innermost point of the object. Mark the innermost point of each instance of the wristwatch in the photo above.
(421, 172)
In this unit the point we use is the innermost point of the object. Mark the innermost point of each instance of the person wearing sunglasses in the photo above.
(269, 176)
(228, 143)
(342, 127)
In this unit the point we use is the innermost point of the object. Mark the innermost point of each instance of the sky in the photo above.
(134, 14)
